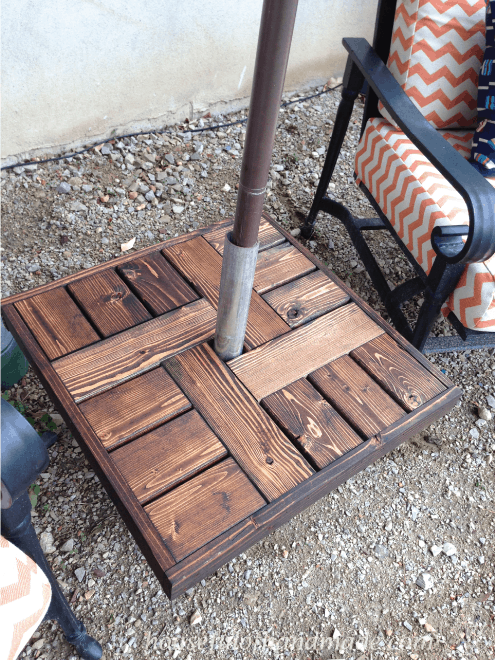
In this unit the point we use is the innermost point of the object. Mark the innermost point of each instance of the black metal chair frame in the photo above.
(366, 67)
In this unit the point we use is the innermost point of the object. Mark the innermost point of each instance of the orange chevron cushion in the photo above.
(25, 595)
(415, 197)
(436, 52)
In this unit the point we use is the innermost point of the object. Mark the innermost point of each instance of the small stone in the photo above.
(151, 158)
(196, 618)
(75, 181)
(78, 206)
(32, 167)
(353, 263)
(63, 188)
(481, 559)
(68, 546)
(480, 423)
(66, 254)
(226, 188)
(380, 551)
(407, 625)
(18, 170)
(89, 594)
(150, 196)
(360, 646)
(133, 195)
(336, 634)
(247, 574)
(129, 159)
(38, 644)
(490, 401)
(177, 209)
(474, 433)
(435, 550)
(425, 581)
(150, 235)
(388, 526)
(105, 150)
(429, 628)
(87, 188)
(170, 159)
(331, 244)
(313, 245)
(97, 572)
(80, 573)
(46, 543)
(389, 632)
(161, 176)
(414, 513)
(295, 232)
(33, 268)
(449, 549)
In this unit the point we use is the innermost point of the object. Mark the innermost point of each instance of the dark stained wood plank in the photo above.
(252, 438)
(311, 422)
(356, 396)
(56, 322)
(169, 455)
(397, 372)
(306, 298)
(108, 302)
(146, 535)
(231, 543)
(204, 507)
(200, 264)
(134, 407)
(134, 351)
(157, 283)
(279, 265)
(268, 236)
(73, 277)
(293, 356)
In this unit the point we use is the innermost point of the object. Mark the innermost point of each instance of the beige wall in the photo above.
(75, 70)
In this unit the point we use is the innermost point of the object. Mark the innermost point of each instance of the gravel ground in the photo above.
(341, 579)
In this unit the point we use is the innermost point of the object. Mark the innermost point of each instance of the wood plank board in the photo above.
(293, 356)
(196, 512)
(116, 359)
(279, 265)
(109, 302)
(252, 438)
(157, 283)
(136, 406)
(268, 236)
(356, 396)
(168, 455)
(306, 298)
(397, 372)
(311, 422)
(200, 264)
(57, 323)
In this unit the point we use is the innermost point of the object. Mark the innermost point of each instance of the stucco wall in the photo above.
(74, 70)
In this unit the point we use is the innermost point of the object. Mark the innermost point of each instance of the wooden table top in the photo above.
(204, 458)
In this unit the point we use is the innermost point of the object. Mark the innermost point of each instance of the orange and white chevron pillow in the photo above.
(25, 595)
(436, 53)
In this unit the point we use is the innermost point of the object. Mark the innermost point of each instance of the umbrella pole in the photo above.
(241, 245)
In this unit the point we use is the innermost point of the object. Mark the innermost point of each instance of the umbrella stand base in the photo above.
(203, 458)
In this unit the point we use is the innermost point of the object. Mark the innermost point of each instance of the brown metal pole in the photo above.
(275, 36)
(241, 245)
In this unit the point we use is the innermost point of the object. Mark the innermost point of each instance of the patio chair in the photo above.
(411, 163)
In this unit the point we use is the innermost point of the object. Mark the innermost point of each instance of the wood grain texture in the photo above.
(134, 407)
(279, 265)
(168, 456)
(108, 302)
(306, 298)
(201, 265)
(311, 422)
(252, 438)
(397, 372)
(115, 263)
(116, 359)
(293, 356)
(145, 534)
(56, 322)
(157, 283)
(268, 236)
(204, 507)
(356, 396)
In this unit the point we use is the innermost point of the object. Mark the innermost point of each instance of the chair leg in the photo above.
(442, 279)
(353, 82)
(17, 528)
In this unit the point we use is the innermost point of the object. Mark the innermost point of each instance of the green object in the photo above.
(14, 364)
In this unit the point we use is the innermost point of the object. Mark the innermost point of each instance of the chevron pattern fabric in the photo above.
(435, 55)
(415, 197)
(25, 595)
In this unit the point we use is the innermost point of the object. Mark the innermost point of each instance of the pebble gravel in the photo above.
(397, 563)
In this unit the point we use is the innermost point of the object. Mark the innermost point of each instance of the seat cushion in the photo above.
(25, 595)
(415, 197)
(435, 55)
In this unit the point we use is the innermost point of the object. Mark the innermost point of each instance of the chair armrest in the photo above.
(477, 193)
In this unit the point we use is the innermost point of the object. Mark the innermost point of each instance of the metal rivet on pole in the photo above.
(239, 259)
